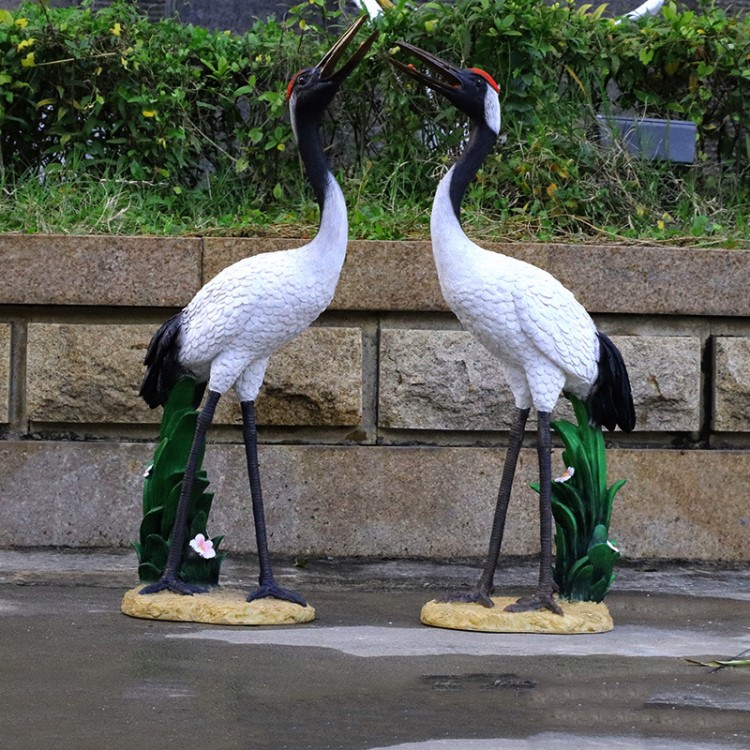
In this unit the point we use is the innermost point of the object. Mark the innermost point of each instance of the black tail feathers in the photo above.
(611, 400)
(162, 363)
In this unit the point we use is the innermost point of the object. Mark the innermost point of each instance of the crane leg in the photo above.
(483, 592)
(169, 580)
(267, 586)
(543, 598)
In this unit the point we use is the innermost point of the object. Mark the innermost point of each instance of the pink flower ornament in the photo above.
(204, 547)
(567, 474)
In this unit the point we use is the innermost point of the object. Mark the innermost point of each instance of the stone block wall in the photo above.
(383, 426)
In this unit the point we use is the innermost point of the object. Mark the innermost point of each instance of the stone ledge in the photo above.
(400, 276)
(645, 279)
(106, 271)
(373, 502)
(166, 272)
(376, 275)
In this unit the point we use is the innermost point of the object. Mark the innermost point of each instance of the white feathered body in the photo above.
(255, 306)
(544, 338)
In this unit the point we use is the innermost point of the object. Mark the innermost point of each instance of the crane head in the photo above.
(315, 87)
(471, 90)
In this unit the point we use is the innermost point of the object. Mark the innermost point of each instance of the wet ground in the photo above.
(78, 674)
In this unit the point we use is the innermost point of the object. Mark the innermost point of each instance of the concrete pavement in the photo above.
(366, 675)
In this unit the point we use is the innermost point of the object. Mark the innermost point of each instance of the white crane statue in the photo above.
(542, 335)
(227, 333)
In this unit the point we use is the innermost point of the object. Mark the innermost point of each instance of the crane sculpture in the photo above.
(227, 333)
(544, 338)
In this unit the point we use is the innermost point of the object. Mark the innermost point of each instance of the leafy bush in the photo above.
(554, 65)
(582, 508)
(172, 108)
(110, 92)
(161, 492)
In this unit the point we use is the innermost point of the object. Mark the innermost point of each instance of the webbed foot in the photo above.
(539, 600)
(272, 589)
(171, 583)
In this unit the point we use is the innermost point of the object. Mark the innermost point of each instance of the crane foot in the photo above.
(537, 601)
(277, 592)
(470, 597)
(171, 583)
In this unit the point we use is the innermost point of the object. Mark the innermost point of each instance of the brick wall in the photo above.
(384, 425)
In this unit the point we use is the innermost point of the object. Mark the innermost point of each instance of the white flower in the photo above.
(567, 474)
(204, 547)
(147, 473)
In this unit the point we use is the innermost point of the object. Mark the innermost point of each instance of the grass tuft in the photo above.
(628, 204)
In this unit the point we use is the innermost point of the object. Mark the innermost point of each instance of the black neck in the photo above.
(481, 141)
(313, 156)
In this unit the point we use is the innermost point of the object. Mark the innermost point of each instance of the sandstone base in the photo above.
(218, 607)
(578, 617)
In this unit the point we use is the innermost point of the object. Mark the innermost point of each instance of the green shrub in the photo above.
(173, 108)
(554, 64)
(161, 492)
(582, 507)
(110, 92)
